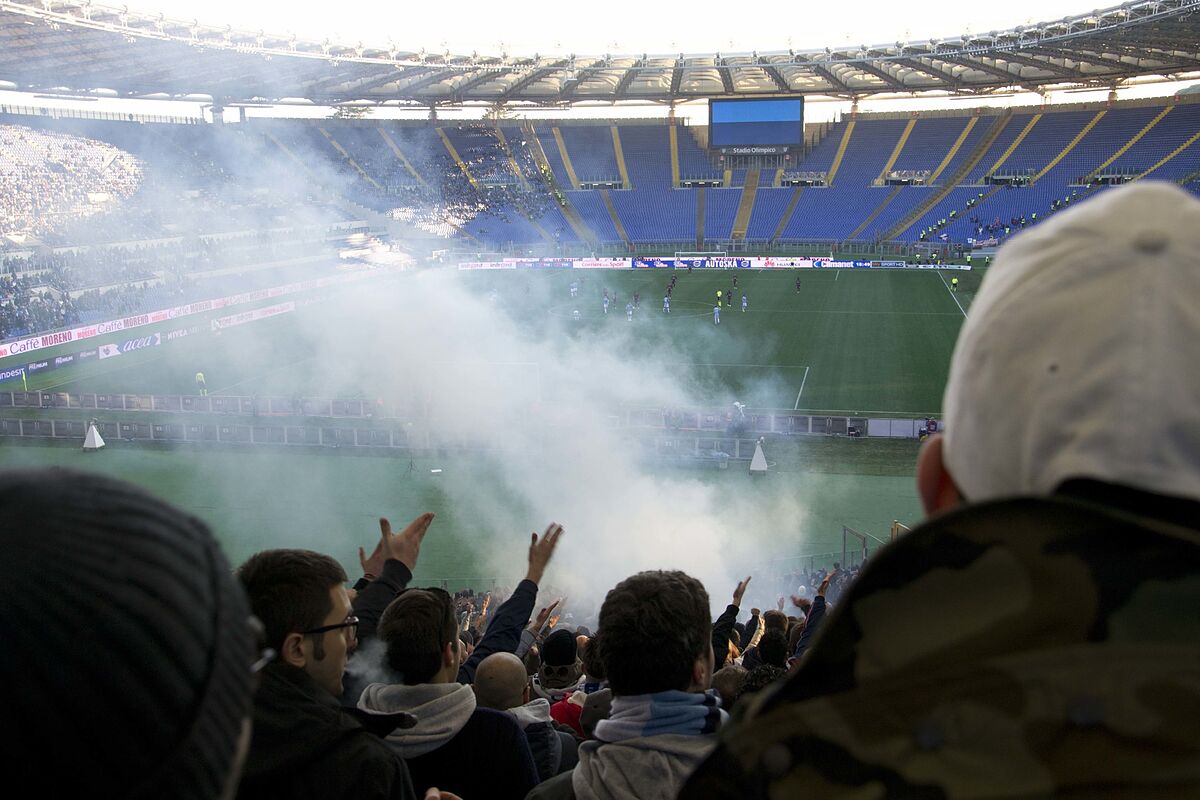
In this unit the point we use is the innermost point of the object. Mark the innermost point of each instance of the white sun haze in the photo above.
(618, 26)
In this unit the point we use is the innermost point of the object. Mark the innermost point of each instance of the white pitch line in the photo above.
(837, 275)
(802, 382)
(953, 296)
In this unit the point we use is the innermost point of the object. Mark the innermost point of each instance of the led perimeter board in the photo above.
(740, 123)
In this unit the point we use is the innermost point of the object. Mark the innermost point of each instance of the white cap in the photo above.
(1080, 356)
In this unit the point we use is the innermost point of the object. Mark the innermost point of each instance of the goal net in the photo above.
(684, 258)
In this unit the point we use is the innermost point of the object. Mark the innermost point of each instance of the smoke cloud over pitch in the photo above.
(513, 373)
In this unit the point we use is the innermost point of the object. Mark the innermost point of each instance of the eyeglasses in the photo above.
(351, 623)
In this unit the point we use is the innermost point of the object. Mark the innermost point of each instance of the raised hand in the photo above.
(739, 591)
(372, 567)
(543, 616)
(824, 587)
(540, 551)
(404, 546)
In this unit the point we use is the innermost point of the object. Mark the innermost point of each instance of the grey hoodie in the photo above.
(647, 768)
(442, 709)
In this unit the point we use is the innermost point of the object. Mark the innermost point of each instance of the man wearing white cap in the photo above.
(1038, 635)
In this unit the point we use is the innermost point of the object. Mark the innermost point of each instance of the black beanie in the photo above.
(125, 664)
(559, 649)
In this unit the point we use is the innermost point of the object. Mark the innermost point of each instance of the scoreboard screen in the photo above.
(775, 122)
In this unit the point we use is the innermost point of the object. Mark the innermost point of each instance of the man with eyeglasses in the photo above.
(304, 744)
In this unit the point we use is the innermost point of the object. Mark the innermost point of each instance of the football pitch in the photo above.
(864, 342)
(847, 341)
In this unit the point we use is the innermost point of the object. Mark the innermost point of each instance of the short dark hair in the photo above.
(289, 590)
(416, 627)
(653, 627)
(772, 648)
(774, 621)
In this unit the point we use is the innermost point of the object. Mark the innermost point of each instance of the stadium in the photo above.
(700, 308)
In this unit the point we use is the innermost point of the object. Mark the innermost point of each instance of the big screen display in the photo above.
(777, 122)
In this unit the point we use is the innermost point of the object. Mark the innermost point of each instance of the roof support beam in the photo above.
(775, 75)
(1036, 63)
(833, 80)
(726, 73)
(1084, 57)
(434, 75)
(532, 78)
(486, 76)
(676, 77)
(944, 78)
(631, 72)
(388, 75)
(870, 68)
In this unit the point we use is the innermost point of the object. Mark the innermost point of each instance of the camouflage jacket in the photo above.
(1024, 648)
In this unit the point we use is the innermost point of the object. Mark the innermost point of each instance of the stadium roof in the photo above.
(79, 47)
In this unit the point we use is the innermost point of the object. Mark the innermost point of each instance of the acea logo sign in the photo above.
(129, 345)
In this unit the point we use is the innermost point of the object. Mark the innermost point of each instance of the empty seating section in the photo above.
(1175, 129)
(910, 197)
(1007, 136)
(590, 206)
(694, 163)
(545, 136)
(720, 207)
(769, 207)
(928, 144)
(647, 155)
(657, 215)
(406, 170)
(591, 150)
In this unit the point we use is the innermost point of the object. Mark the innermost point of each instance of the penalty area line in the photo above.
(950, 292)
(802, 382)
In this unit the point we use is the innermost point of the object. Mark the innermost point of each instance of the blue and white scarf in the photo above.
(637, 716)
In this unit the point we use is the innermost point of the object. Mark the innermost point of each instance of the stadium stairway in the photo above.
(746, 206)
(1014, 144)
(612, 212)
(508, 154)
(841, 152)
(727, 179)
(1070, 146)
(457, 159)
(403, 159)
(954, 148)
(862, 226)
(673, 133)
(786, 217)
(619, 152)
(1195, 138)
(569, 212)
(349, 158)
(700, 201)
(887, 167)
(566, 158)
(1132, 141)
(962, 172)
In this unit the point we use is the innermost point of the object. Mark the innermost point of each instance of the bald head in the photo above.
(500, 682)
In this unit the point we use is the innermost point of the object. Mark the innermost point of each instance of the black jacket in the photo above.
(488, 758)
(503, 633)
(305, 746)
